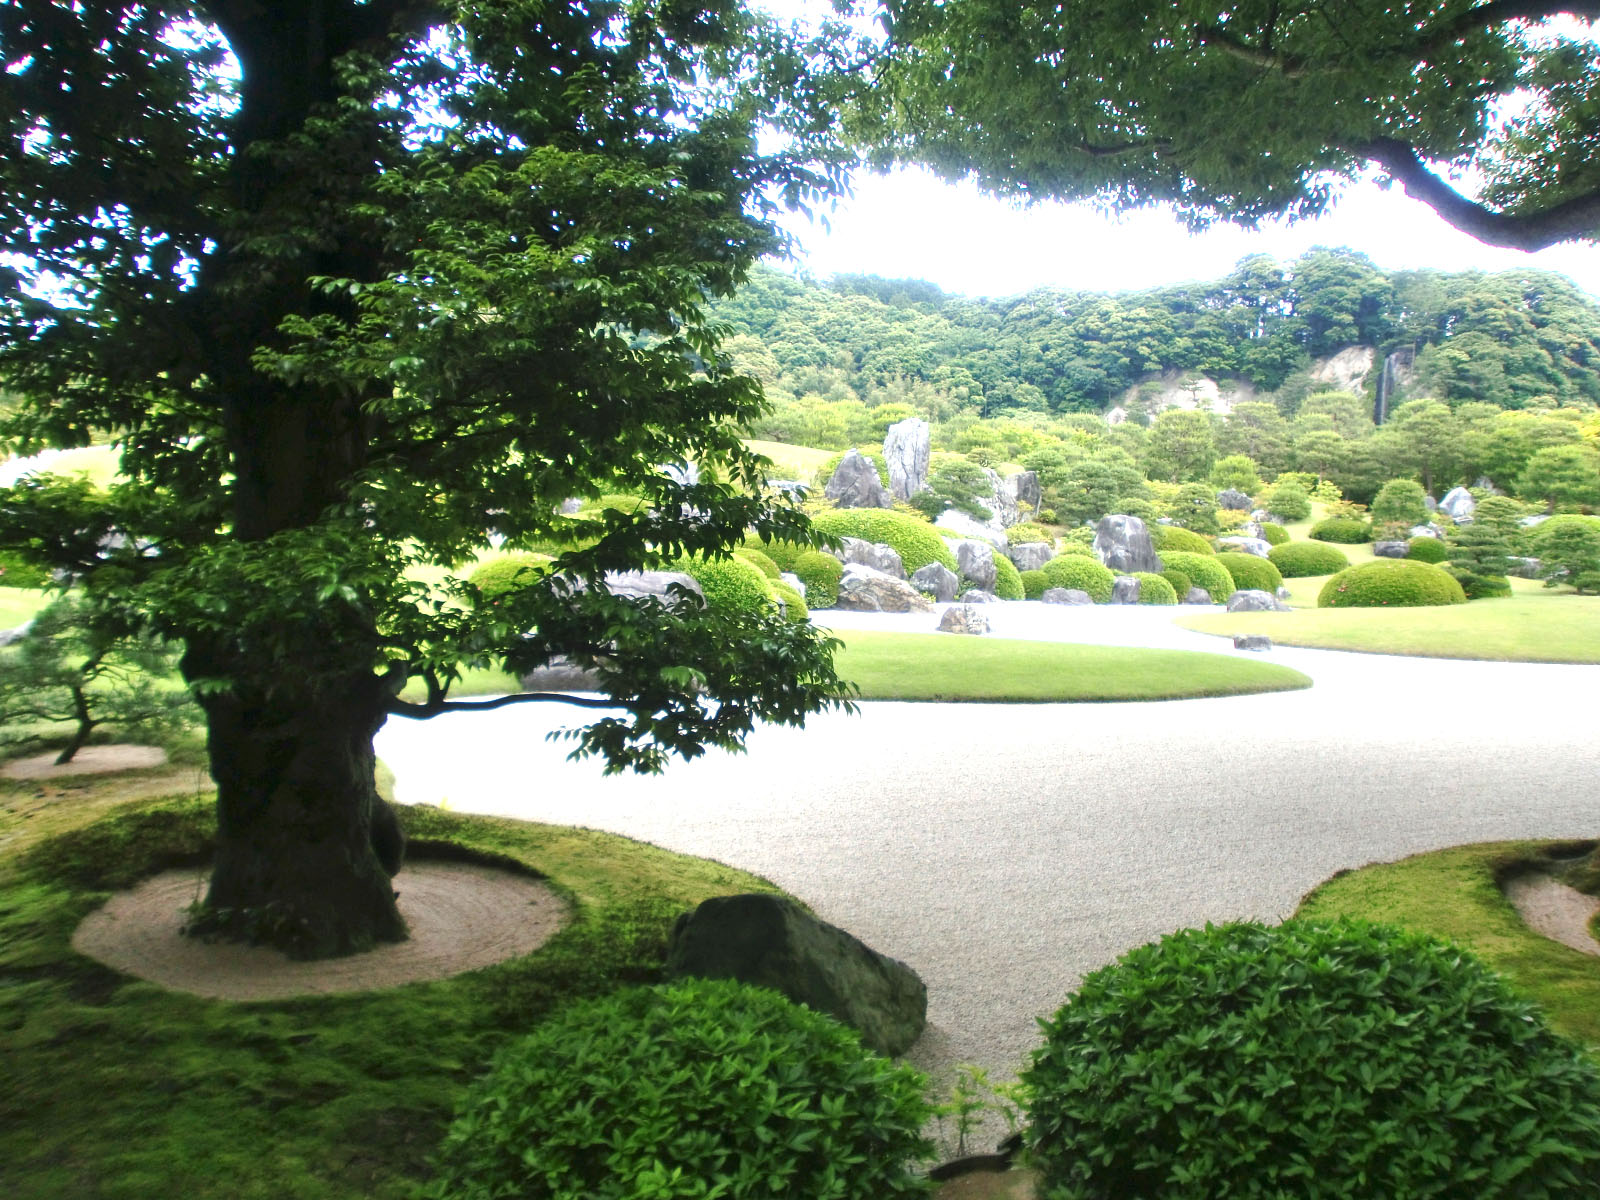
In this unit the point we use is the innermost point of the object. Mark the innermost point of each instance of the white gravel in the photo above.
(1005, 850)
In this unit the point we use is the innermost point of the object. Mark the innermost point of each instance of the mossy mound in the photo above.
(916, 541)
(1085, 574)
(1297, 560)
(1390, 582)
(1251, 572)
(1205, 572)
(1178, 540)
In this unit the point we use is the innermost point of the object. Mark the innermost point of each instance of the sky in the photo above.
(911, 224)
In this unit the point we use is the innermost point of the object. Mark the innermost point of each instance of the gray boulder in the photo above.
(1197, 595)
(1123, 544)
(650, 583)
(906, 448)
(1428, 530)
(1430, 504)
(795, 582)
(770, 941)
(1023, 488)
(963, 618)
(855, 484)
(1520, 566)
(1244, 545)
(1458, 505)
(1125, 590)
(1252, 641)
(978, 596)
(975, 563)
(559, 675)
(1255, 600)
(1030, 556)
(969, 527)
(1391, 549)
(862, 589)
(1234, 500)
(10, 637)
(871, 554)
(938, 581)
(1283, 593)
(1066, 596)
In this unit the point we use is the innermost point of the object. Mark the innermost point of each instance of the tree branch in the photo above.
(433, 708)
(1578, 217)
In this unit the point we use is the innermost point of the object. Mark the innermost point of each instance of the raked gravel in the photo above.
(1005, 850)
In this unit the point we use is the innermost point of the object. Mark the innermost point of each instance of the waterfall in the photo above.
(1387, 380)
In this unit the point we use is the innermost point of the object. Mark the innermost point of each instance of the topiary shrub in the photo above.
(782, 554)
(699, 1088)
(820, 573)
(1346, 531)
(760, 560)
(1426, 549)
(794, 603)
(1287, 499)
(1081, 549)
(1306, 1060)
(727, 582)
(1180, 581)
(1078, 535)
(1204, 571)
(1007, 580)
(1392, 582)
(1153, 589)
(1184, 541)
(1400, 500)
(508, 572)
(1272, 533)
(1251, 572)
(916, 541)
(1029, 531)
(1034, 584)
(1296, 560)
(1086, 574)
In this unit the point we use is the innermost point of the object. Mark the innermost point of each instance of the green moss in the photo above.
(1390, 582)
(1205, 571)
(1346, 531)
(1034, 584)
(1272, 533)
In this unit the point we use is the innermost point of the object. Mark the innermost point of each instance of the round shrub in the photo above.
(508, 572)
(1085, 574)
(1034, 584)
(1392, 582)
(1029, 531)
(759, 560)
(1081, 549)
(1250, 572)
(794, 603)
(820, 573)
(1346, 531)
(1272, 533)
(1184, 541)
(1007, 580)
(782, 554)
(1287, 499)
(1426, 549)
(1552, 529)
(1400, 500)
(917, 542)
(1180, 581)
(1204, 571)
(1296, 560)
(702, 1081)
(727, 582)
(1153, 589)
(1307, 1060)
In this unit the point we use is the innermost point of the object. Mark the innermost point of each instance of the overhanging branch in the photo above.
(422, 712)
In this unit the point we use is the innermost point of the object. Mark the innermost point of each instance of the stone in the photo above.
(1123, 544)
(975, 563)
(906, 448)
(963, 618)
(1234, 500)
(1024, 488)
(1251, 529)
(650, 583)
(1391, 549)
(979, 596)
(1124, 590)
(10, 637)
(855, 484)
(1244, 545)
(1066, 596)
(770, 941)
(1428, 530)
(1430, 504)
(560, 675)
(1255, 600)
(938, 581)
(1282, 593)
(571, 506)
(1252, 641)
(871, 554)
(1520, 566)
(1030, 556)
(1197, 595)
(862, 589)
(1536, 519)
(795, 582)
(1458, 505)
(970, 527)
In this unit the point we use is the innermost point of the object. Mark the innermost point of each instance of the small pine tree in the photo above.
(1400, 500)
(1479, 560)
(1570, 553)
(1195, 508)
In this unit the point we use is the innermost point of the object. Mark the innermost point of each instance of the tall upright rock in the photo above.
(1123, 544)
(907, 448)
(855, 484)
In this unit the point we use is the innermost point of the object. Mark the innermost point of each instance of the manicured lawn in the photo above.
(1455, 894)
(19, 604)
(1531, 625)
(791, 462)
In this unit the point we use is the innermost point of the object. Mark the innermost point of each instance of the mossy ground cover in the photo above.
(791, 462)
(1456, 894)
(118, 1088)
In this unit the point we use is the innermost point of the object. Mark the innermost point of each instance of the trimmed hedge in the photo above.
(1297, 560)
(1272, 533)
(1204, 571)
(508, 572)
(1427, 549)
(916, 541)
(1029, 531)
(1007, 580)
(820, 573)
(1180, 581)
(1153, 589)
(760, 560)
(727, 582)
(1079, 548)
(1391, 582)
(1086, 574)
(1251, 572)
(1034, 584)
(1176, 538)
(1307, 1060)
(1346, 531)
(782, 554)
(795, 603)
(1288, 500)
(670, 1090)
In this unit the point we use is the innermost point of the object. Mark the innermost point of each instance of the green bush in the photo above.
(1085, 574)
(1400, 500)
(1078, 535)
(1204, 571)
(1296, 560)
(695, 1089)
(1545, 531)
(1287, 499)
(760, 560)
(617, 501)
(1180, 581)
(1008, 580)
(1392, 582)
(1313, 1061)
(820, 573)
(1081, 549)
(1029, 531)
(18, 572)
(1176, 538)
(1426, 549)
(917, 542)
(1250, 572)
(1272, 533)
(794, 603)
(1034, 584)
(1153, 589)
(782, 554)
(508, 572)
(1346, 531)
(727, 582)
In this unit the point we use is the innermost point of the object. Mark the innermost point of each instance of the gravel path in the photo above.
(1005, 850)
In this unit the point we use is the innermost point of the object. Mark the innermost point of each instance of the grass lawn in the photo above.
(1455, 894)
(791, 462)
(19, 604)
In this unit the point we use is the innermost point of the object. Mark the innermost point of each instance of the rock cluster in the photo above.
(1123, 544)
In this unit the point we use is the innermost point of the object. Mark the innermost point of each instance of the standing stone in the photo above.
(871, 554)
(1125, 590)
(975, 561)
(1123, 544)
(1233, 500)
(651, 583)
(1255, 600)
(1024, 489)
(962, 618)
(1030, 556)
(906, 448)
(862, 589)
(938, 581)
(1391, 549)
(1066, 596)
(855, 484)
(1245, 545)
(1197, 595)
(795, 582)
(1458, 505)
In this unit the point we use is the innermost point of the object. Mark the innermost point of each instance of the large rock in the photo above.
(1391, 549)
(963, 618)
(1197, 595)
(1023, 488)
(975, 562)
(1251, 641)
(863, 589)
(1428, 530)
(1458, 505)
(770, 941)
(16, 633)
(1030, 556)
(1123, 544)
(970, 527)
(978, 596)
(1234, 500)
(1124, 590)
(1244, 545)
(1255, 600)
(795, 582)
(855, 484)
(1066, 596)
(906, 448)
(871, 554)
(650, 583)
(560, 675)
(938, 581)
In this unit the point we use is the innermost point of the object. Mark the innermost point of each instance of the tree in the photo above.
(1248, 111)
(1422, 436)
(1181, 445)
(1479, 560)
(1565, 478)
(1400, 501)
(358, 287)
(1569, 552)
(1237, 471)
